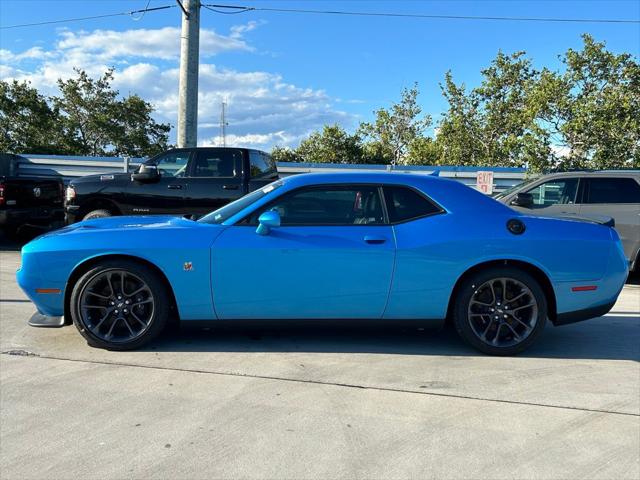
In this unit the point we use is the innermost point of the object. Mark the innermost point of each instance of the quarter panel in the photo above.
(434, 252)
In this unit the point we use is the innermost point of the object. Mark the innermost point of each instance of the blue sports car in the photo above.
(330, 246)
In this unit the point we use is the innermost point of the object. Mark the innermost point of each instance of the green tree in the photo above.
(425, 151)
(331, 145)
(389, 137)
(97, 122)
(284, 154)
(591, 111)
(28, 124)
(137, 134)
(495, 124)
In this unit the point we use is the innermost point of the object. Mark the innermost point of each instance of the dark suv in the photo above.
(612, 193)
(191, 181)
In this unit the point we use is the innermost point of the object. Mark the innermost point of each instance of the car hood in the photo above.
(127, 223)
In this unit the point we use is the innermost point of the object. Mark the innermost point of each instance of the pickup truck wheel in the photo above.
(500, 311)
(97, 214)
(119, 305)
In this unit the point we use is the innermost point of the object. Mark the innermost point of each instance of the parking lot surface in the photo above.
(318, 402)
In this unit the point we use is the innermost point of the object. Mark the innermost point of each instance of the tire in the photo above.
(485, 321)
(101, 213)
(114, 317)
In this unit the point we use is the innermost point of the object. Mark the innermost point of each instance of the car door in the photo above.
(215, 179)
(619, 198)
(332, 257)
(422, 278)
(553, 198)
(164, 195)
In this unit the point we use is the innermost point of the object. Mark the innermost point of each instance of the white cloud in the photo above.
(34, 53)
(263, 109)
(161, 43)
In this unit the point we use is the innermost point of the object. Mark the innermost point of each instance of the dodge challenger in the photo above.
(386, 246)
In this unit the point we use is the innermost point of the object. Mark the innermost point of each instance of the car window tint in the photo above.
(172, 164)
(359, 205)
(262, 165)
(613, 190)
(405, 204)
(555, 192)
(217, 163)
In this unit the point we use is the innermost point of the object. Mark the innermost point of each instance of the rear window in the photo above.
(262, 165)
(612, 190)
(406, 204)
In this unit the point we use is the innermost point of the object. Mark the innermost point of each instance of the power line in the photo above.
(240, 9)
(94, 17)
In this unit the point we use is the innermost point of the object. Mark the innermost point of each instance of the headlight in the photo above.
(70, 193)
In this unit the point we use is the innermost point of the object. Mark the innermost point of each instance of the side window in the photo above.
(217, 163)
(262, 165)
(406, 204)
(357, 205)
(555, 192)
(173, 164)
(613, 190)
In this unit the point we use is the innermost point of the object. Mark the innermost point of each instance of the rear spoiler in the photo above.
(599, 219)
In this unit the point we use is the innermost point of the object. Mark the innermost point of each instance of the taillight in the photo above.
(71, 193)
(1, 193)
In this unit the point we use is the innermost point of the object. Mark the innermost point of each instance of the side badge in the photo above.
(188, 266)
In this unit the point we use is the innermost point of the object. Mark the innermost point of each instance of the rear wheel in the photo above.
(119, 305)
(500, 311)
(101, 213)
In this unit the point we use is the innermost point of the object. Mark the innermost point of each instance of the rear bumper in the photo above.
(40, 216)
(585, 314)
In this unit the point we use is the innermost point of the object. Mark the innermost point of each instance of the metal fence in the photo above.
(70, 167)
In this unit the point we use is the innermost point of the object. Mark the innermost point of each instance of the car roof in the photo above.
(360, 177)
(594, 173)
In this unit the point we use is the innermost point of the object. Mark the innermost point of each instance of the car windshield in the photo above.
(509, 190)
(228, 211)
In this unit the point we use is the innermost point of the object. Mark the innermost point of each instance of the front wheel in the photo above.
(119, 305)
(500, 311)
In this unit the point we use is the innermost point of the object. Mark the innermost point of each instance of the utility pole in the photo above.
(189, 62)
(223, 124)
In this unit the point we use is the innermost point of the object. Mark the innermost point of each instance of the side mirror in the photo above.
(146, 174)
(524, 200)
(268, 220)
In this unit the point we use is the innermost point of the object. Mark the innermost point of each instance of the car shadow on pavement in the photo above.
(612, 338)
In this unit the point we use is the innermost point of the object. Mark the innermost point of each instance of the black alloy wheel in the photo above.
(119, 305)
(500, 311)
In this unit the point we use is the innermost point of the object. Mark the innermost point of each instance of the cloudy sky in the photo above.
(284, 75)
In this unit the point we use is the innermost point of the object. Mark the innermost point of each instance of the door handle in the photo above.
(174, 187)
(230, 187)
(374, 240)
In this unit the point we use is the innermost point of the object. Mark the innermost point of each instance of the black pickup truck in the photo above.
(183, 181)
(28, 201)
